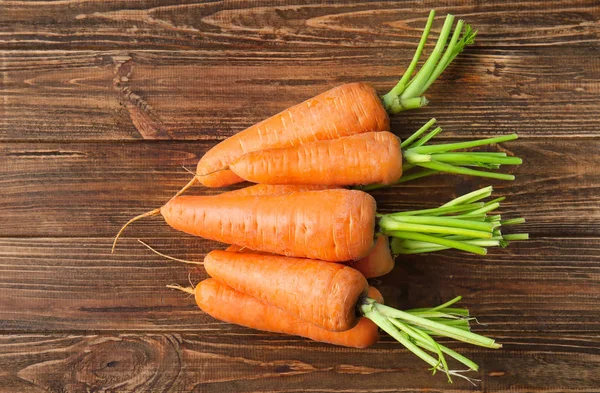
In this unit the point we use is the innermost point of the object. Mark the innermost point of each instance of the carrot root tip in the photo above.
(189, 290)
(170, 257)
(150, 213)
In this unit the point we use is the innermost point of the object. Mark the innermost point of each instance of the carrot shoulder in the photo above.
(324, 294)
(226, 304)
(367, 158)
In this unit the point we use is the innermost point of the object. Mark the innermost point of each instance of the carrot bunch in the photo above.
(326, 302)
(306, 237)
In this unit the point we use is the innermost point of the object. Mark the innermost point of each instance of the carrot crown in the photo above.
(408, 93)
(414, 330)
(462, 224)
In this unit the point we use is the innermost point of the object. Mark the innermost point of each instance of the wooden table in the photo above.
(104, 102)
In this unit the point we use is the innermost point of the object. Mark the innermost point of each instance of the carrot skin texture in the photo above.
(379, 262)
(324, 294)
(269, 189)
(348, 109)
(226, 304)
(331, 225)
(367, 158)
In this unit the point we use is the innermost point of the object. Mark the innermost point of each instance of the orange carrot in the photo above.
(332, 225)
(270, 277)
(368, 158)
(374, 294)
(332, 297)
(336, 225)
(379, 262)
(344, 110)
(225, 304)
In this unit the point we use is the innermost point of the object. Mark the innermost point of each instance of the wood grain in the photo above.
(198, 363)
(91, 189)
(76, 285)
(279, 26)
(102, 102)
(192, 95)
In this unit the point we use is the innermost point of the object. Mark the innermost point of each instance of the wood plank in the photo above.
(91, 189)
(76, 285)
(272, 24)
(210, 362)
(126, 95)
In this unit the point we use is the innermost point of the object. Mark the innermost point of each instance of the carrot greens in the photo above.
(408, 93)
(462, 224)
(415, 329)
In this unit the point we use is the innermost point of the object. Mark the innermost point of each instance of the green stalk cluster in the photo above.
(415, 329)
(463, 223)
(408, 93)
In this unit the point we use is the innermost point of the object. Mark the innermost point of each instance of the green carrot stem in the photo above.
(408, 93)
(463, 158)
(418, 336)
(443, 63)
(449, 222)
(447, 304)
(389, 227)
(500, 199)
(416, 175)
(368, 310)
(426, 138)
(443, 148)
(513, 221)
(439, 240)
(415, 87)
(453, 354)
(516, 236)
(442, 167)
(491, 153)
(418, 133)
(471, 197)
(485, 209)
(448, 331)
(440, 307)
(403, 82)
(438, 211)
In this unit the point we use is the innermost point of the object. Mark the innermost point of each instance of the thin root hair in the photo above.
(170, 257)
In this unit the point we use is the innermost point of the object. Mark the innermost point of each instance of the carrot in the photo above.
(368, 158)
(248, 273)
(378, 262)
(335, 225)
(225, 304)
(334, 297)
(344, 110)
(331, 225)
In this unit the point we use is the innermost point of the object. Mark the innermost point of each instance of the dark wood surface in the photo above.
(103, 102)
